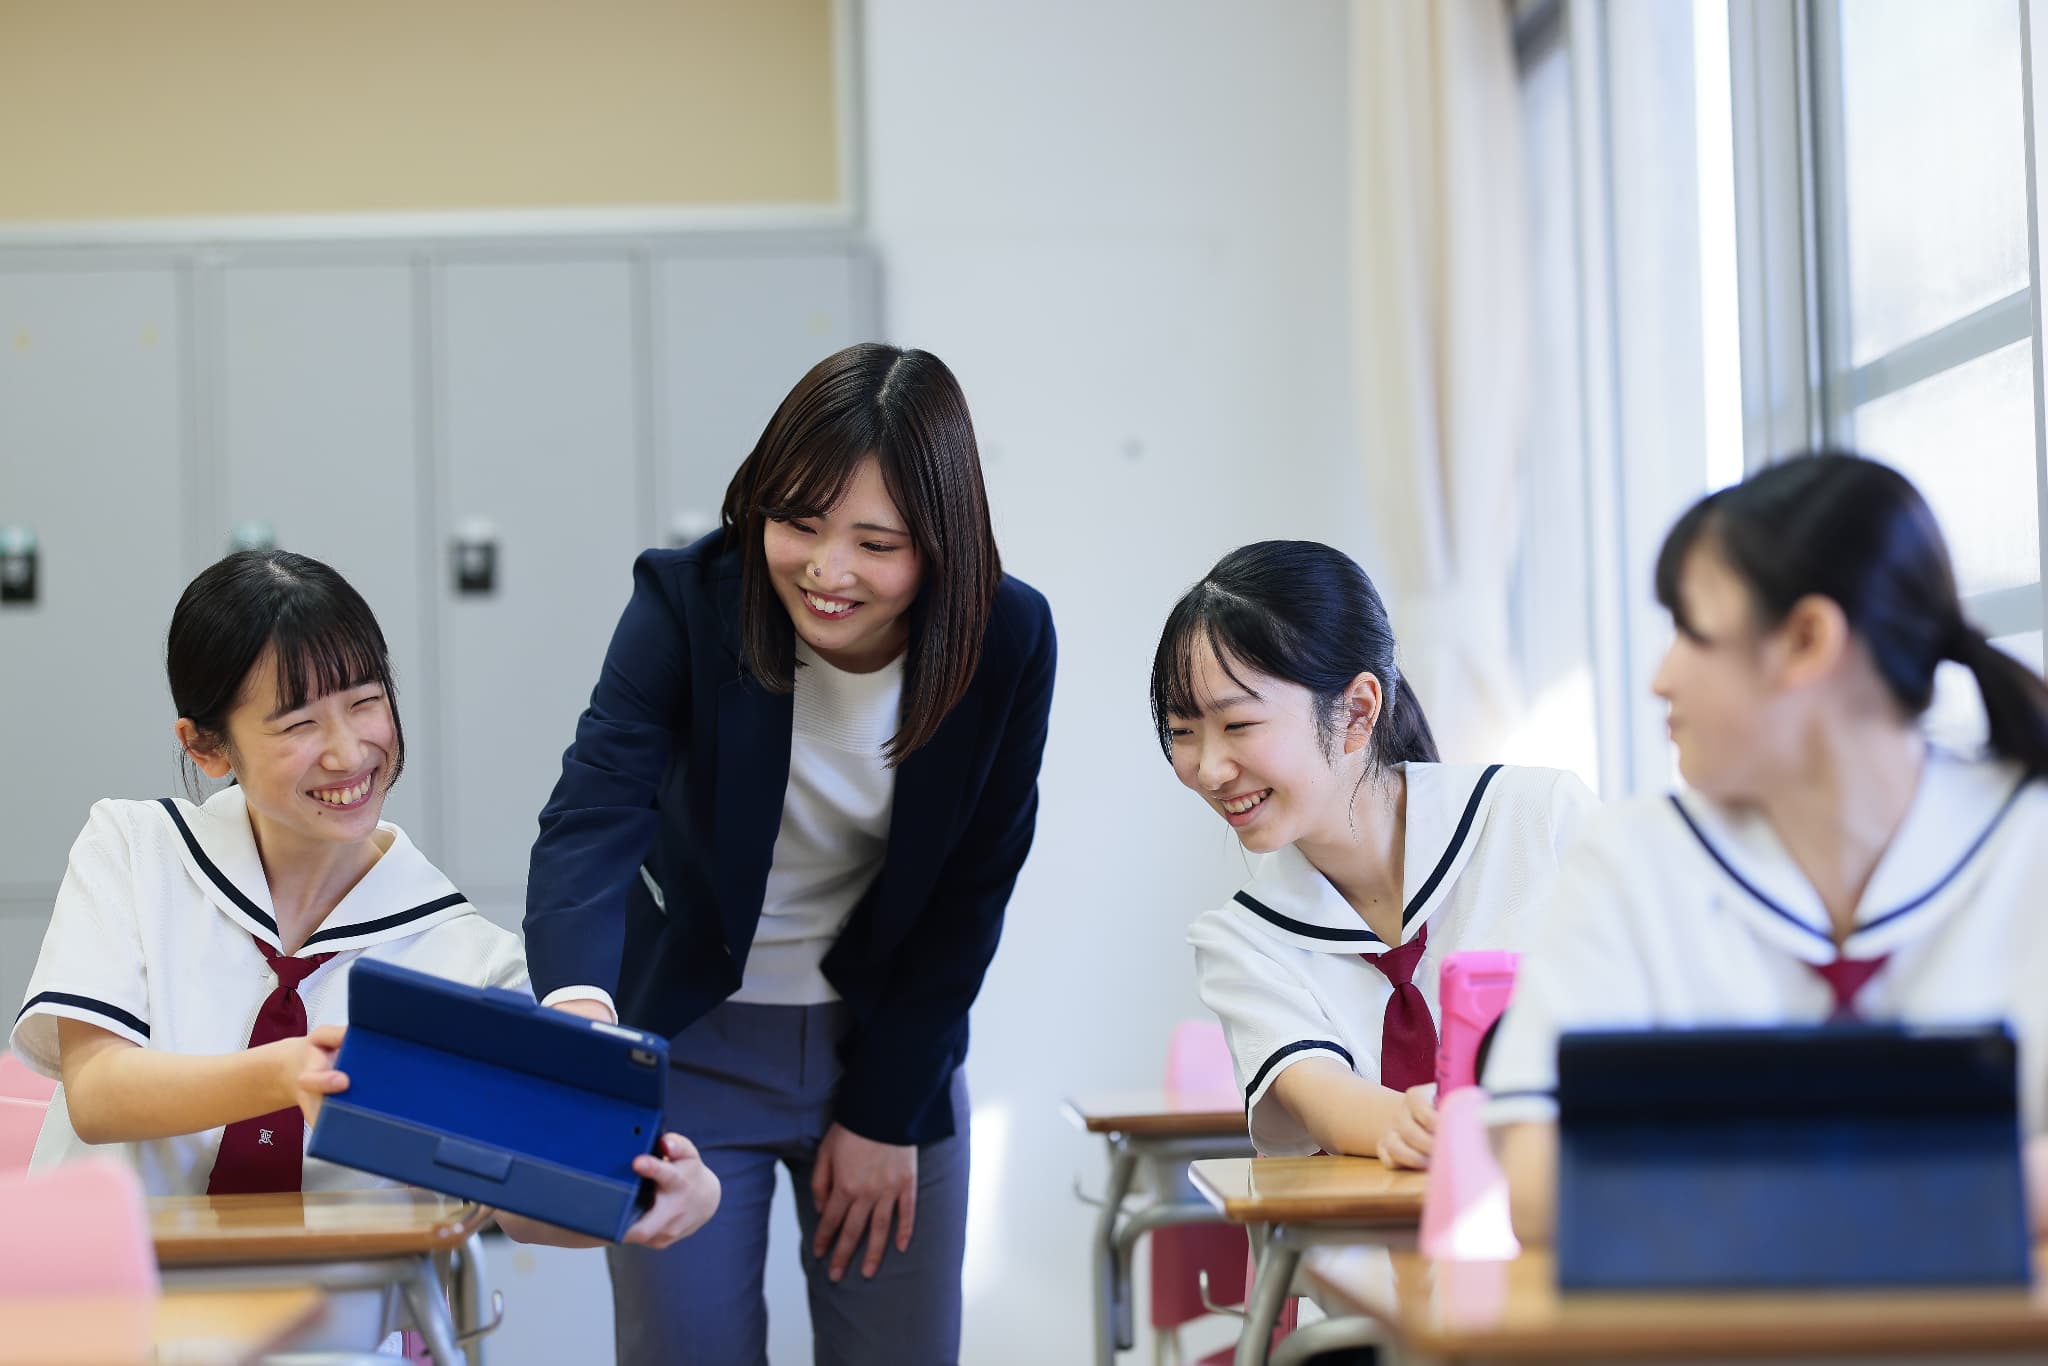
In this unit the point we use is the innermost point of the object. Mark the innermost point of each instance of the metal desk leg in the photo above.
(1112, 1287)
(429, 1306)
(1273, 1283)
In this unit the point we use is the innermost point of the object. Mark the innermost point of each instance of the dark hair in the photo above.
(1298, 611)
(905, 409)
(324, 635)
(1857, 532)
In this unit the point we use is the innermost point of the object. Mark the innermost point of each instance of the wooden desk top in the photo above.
(182, 1328)
(1506, 1311)
(321, 1226)
(1161, 1114)
(1307, 1190)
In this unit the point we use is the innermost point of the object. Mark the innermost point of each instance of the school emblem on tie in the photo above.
(263, 1137)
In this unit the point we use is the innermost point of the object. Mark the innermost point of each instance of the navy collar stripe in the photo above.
(1302, 927)
(1408, 913)
(1950, 876)
(389, 922)
(1887, 917)
(1443, 865)
(1521, 1095)
(65, 998)
(1289, 1051)
(1741, 881)
(219, 879)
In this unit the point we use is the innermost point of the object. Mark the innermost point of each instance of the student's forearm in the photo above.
(1528, 1156)
(118, 1093)
(1342, 1111)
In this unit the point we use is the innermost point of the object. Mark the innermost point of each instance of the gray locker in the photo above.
(737, 333)
(92, 446)
(317, 436)
(542, 445)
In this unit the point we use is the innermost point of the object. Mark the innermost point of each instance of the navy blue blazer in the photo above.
(681, 763)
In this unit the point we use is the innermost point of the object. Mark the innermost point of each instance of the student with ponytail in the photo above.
(1826, 860)
(1278, 702)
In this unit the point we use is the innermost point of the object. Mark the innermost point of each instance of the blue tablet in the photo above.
(1843, 1155)
(482, 1094)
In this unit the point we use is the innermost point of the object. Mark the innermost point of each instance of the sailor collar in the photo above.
(1960, 804)
(1447, 806)
(401, 895)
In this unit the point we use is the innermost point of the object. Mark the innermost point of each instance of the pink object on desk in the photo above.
(1465, 1197)
(78, 1229)
(1472, 991)
(17, 1082)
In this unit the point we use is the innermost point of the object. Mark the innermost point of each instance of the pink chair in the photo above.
(19, 1083)
(20, 1122)
(1197, 1066)
(78, 1229)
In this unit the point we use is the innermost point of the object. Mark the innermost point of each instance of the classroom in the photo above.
(903, 682)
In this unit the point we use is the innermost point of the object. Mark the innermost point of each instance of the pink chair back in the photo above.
(81, 1228)
(1198, 1060)
(1197, 1064)
(19, 1083)
(20, 1122)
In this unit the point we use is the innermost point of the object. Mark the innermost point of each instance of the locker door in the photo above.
(541, 435)
(738, 333)
(318, 439)
(92, 439)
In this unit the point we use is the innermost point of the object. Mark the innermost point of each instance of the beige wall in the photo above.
(164, 108)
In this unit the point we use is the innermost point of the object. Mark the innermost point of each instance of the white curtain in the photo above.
(1439, 316)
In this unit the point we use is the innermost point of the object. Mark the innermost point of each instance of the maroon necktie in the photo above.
(1846, 977)
(1408, 1035)
(268, 1153)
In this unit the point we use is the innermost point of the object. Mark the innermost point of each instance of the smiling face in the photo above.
(317, 773)
(1257, 757)
(848, 576)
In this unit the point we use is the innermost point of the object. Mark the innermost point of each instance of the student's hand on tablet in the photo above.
(686, 1194)
(1407, 1143)
(308, 1064)
(858, 1185)
(589, 1010)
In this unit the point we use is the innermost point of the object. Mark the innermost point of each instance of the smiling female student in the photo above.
(786, 833)
(1277, 699)
(1824, 858)
(192, 945)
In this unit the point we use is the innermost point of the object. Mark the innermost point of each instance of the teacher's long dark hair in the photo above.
(905, 409)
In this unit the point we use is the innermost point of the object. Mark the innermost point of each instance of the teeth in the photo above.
(1237, 806)
(343, 796)
(837, 609)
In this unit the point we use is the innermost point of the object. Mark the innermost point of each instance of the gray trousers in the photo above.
(752, 1086)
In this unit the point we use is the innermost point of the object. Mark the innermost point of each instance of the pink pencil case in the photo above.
(1472, 991)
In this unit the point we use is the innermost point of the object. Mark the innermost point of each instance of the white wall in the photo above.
(1123, 225)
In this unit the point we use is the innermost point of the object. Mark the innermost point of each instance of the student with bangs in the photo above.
(1824, 860)
(785, 836)
(193, 982)
(1278, 702)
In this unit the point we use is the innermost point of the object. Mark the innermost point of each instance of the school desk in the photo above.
(1292, 1203)
(178, 1328)
(1153, 1135)
(1471, 1313)
(424, 1244)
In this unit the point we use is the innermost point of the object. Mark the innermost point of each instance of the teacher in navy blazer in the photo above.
(785, 836)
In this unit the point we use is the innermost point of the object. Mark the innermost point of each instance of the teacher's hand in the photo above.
(685, 1194)
(859, 1185)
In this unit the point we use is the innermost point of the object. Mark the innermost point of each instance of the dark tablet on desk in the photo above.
(482, 1094)
(1837, 1155)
